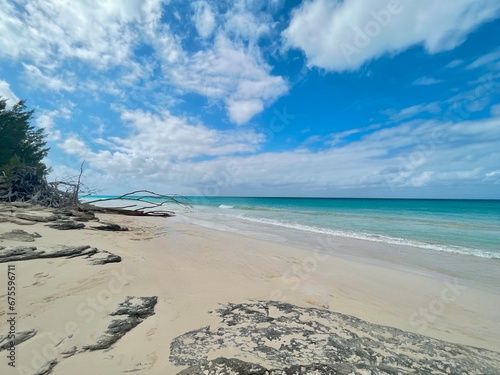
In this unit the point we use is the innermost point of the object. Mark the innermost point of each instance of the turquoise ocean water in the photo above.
(470, 227)
(450, 238)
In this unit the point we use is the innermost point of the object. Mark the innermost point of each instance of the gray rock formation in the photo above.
(105, 257)
(20, 337)
(47, 368)
(223, 365)
(30, 217)
(70, 352)
(285, 338)
(111, 227)
(135, 310)
(19, 235)
(66, 225)
(23, 253)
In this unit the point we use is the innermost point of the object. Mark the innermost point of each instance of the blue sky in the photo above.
(353, 98)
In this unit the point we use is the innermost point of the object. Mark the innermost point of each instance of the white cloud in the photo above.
(342, 36)
(427, 81)
(495, 110)
(204, 18)
(164, 148)
(409, 112)
(454, 63)
(47, 120)
(156, 142)
(99, 32)
(7, 93)
(492, 57)
(36, 77)
(245, 24)
(230, 73)
(100, 39)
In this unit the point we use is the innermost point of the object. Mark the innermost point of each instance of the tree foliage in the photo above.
(20, 143)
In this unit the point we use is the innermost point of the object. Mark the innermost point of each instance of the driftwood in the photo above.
(152, 200)
(28, 187)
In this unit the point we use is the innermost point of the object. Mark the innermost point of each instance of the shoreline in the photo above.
(193, 270)
(422, 261)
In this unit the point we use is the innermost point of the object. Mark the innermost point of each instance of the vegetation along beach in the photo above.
(249, 187)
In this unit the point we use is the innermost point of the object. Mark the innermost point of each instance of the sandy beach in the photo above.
(194, 271)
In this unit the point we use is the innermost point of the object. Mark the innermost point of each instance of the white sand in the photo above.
(192, 270)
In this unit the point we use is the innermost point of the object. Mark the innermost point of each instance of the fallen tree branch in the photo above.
(153, 200)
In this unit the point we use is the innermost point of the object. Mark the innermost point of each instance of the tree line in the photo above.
(21, 144)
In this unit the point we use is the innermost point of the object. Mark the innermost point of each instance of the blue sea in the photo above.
(457, 238)
(469, 227)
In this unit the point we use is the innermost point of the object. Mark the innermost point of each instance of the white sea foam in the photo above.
(374, 238)
(225, 207)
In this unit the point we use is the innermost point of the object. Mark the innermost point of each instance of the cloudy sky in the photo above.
(352, 98)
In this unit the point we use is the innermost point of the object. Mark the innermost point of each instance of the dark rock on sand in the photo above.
(107, 258)
(83, 215)
(20, 337)
(223, 365)
(21, 221)
(111, 227)
(135, 310)
(285, 338)
(66, 225)
(47, 368)
(22, 253)
(70, 352)
(30, 217)
(19, 235)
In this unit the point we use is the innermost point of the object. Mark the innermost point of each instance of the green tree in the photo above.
(20, 143)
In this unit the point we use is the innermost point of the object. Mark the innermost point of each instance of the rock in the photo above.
(22, 222)
(20, 337)
(47, 368)
(70, 352)
(109, 258)
(287, 338)
(223, 365)
(66, 225)
(21, 204)
(27, 253)
(136, 309)
(29, 217)
(141, 307)
(111, 227)
(19, 235)
(83, 215)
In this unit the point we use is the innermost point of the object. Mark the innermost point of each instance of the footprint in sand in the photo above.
(150, 333)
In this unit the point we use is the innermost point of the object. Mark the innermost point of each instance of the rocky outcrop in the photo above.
(19, 235)
(135, 310)
(22, 253)
(104, 257)
(20, 337)
(284, 337)
(223, 365)
(111, 227)
(66, 225)
(47, 368)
